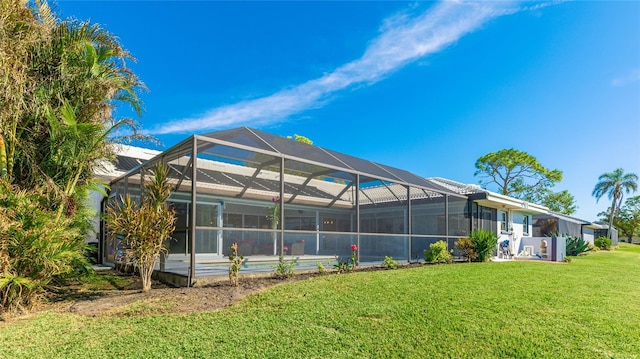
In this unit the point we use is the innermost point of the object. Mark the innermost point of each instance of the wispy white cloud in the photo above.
(631, 77)
(404, 38)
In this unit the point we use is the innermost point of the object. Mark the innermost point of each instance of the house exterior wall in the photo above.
(514, 228)
(587, 235)
(518, 229)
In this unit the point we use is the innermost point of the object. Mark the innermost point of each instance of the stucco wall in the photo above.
(587, 235)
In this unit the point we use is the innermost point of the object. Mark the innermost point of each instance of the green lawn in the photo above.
(589, 308)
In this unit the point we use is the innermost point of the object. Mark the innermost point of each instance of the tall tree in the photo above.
(561, 202)
(519, 174)
(60, 83)
(613, 184)
(20, 33)
(630, 217)
(626, 219)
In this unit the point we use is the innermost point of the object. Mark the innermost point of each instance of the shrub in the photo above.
(321, 268)
(389, 263)
(35, 247)
(576, 246)
(466, 246)
(285, 269)
(438, 253)
(343, 266)
(603, 243)
(144, 227)
(484, 241)
(347, 266)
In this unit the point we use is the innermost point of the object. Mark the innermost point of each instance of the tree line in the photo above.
(518, 174)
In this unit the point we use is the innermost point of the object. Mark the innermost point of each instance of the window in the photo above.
(525, 225)
(502, 217)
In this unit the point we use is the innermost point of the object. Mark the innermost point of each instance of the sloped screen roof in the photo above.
(263, 141)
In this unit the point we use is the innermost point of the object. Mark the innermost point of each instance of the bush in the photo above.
(576, 246)
(343, 266)
(285, 269)
(390, 263)
(484, 242)
(603, 243)
(438, 253)
(143, 228)
(35, 247)
(466, 246)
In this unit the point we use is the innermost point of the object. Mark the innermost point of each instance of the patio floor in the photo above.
(214, 267)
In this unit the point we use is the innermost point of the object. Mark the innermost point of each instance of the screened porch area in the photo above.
(274, 196)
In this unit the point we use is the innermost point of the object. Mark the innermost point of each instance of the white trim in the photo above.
(514, 203)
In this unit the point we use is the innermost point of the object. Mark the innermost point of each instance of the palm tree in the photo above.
(59, 126)
(613, 184)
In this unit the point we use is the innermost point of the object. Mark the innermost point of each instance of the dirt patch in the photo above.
(130, 301)
(121, 296)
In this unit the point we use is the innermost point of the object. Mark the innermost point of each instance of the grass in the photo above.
(104, 281)
(589, 308)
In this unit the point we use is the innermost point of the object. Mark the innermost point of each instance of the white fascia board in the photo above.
(600, 226)
(501, 201)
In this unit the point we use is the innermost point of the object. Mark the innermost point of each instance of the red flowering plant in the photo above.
(347, 266)
(354, 255)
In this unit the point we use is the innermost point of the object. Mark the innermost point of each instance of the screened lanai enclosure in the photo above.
(274, 196)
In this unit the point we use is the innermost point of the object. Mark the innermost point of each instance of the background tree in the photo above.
(560, 202)
(626, 219)
(61, 81)
(613, 184)
(144, 227)
(630, 217)
(301, 138)
(515, 172)
(518, 174)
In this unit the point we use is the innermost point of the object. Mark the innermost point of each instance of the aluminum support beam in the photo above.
(282, 206)
(194, 198)
(409, 222)
(358, 214)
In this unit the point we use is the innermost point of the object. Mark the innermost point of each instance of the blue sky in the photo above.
(424, 86)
